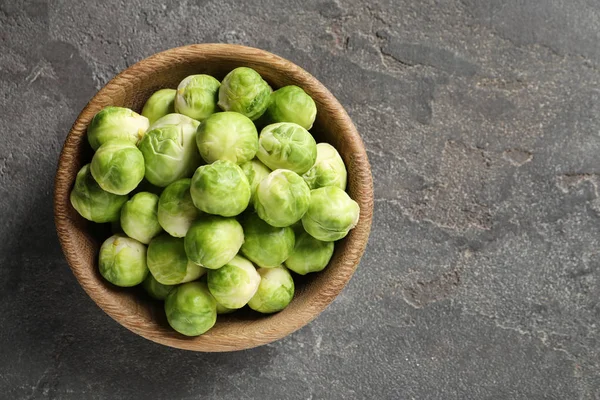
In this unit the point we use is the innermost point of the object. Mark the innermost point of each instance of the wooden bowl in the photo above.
(134, 310)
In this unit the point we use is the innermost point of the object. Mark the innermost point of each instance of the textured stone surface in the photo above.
(482, 276)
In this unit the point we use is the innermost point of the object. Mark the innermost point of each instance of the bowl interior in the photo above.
(81, 239)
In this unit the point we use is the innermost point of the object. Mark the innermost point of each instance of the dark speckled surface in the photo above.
(482, 276)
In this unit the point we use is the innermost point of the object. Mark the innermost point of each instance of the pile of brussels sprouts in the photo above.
(209, 215)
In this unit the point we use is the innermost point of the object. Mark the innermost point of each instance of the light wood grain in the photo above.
(243, 330)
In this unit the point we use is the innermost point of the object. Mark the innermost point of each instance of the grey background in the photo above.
(482, 276)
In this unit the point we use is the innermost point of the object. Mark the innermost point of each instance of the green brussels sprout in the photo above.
(331, 214)
(122, 261)
(170, 150)
(161, 103)
(266, 245)
(275, 291)
(292, 104)
(197, 96)
(224, 310)
(329, 169)
(118, 166)
(116, 123)
(176, 210)
(288, 146)
(227, 136)
(176, 119)
(93, 203)
(255, 172)
(220, 188)
(244, 91)
(191, 309)
(139, 217)
(282, 198)
(168, 262)
(233, 284)
(309, 254)
(213, 241)
(155, 289)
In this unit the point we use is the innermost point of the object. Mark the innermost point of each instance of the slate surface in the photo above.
(482, 276)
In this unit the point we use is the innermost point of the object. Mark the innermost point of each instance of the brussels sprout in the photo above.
(116, 123)
(331, 214)
(233, 284)
(168, 263)
(255, 172)
(220, 188)
(213, 241)
(309, 255)
(282, 198)
(329, 169)
(176, 210)
(191, 309)
(118, 166)
(175, 119)
(292, 104)
(170, 150)
(275, 291)
(244, 91)
(224, 310)
(93, 203)
(287, 145)
(227, 136)
(139, 217)
(155, 289)
(161, 103)
(265, 245)
(122, 261)
(197, 96)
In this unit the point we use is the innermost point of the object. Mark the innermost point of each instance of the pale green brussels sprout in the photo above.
(287, 145)
(118, 166)
(309, 254)
(282, 198)
(292, 104)
(176, 119)
(155, 289)
(329, 169)
(116, 123)
(234, 284)
(275, 291)
(191, 309)
(224, 310)
(197, 96)
(227, 136)
(92, 202)
(213, 241)
(122, 261)
(139, 218)
(176, 210)
(170, 150)
(244, 91)
(161, 103)
(168, 262)
(220, 188)
(266, 245)
(331, 214)
(255, 172)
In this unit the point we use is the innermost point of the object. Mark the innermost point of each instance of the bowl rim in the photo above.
(65, 223)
